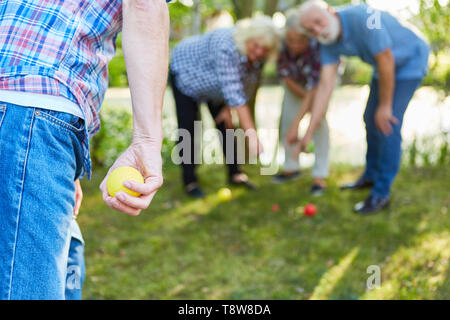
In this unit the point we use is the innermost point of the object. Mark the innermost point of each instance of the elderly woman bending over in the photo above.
(216, 68)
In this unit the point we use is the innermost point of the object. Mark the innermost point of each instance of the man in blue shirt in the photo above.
(399, 57)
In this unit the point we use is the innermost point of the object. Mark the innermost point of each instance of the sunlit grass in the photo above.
(332, 276)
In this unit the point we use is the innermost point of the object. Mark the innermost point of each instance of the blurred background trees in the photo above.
(189, 17)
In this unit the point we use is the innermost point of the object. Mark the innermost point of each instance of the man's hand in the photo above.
(247, 124)
(225, 117)
(78, 198)
(254, 145)
(384, 118)
(302, 145)
(147, 160)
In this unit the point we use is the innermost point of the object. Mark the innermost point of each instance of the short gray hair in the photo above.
(293, 21)
(304, 7)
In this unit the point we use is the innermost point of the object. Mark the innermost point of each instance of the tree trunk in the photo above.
(243, 8)
(197, 18)
(271, 7)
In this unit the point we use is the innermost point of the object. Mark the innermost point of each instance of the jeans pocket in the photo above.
(62, 120)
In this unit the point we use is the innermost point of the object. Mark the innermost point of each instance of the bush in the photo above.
(114, 136)
(356, 72)
(428, 151)
(439, 78)
(116, 68)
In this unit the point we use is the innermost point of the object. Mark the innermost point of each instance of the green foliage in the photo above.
(116, 68)
(114, 136)
(439, 74)
(356, 72)
(428, 151)
(434, 20)
(179, 15)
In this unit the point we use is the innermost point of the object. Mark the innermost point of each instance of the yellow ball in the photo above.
(224, 194)
(118, 176)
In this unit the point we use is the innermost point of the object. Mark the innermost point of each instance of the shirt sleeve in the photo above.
(377, 39)
(328, 55)
(230, 79)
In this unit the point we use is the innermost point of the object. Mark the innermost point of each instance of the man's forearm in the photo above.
(304, 108)
(386, 81)
(245, 118)
(322, 97)
(145, 39)
(306, 105)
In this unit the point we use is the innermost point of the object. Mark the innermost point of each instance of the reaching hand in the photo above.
(292, 135)
(147, 160)
(302, 146)
(78, 198)
(384, 119)
(225, 117)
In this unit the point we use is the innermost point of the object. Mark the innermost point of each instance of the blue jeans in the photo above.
(384, 152)
(75, 265)
(40, 158)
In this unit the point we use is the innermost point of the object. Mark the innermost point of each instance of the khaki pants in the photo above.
(290, 108)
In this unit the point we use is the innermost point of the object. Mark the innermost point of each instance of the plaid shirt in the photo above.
(61, 48)
(210, 67)
(305, 69)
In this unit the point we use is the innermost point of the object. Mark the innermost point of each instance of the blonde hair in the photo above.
(261, 27)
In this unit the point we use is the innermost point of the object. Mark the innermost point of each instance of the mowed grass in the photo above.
(242, 249)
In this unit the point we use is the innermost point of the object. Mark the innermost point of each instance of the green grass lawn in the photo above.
(203, 249)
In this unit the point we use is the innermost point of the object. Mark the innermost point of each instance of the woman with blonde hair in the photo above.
(216, 67)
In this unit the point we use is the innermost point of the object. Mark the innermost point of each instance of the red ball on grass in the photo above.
(310, 210)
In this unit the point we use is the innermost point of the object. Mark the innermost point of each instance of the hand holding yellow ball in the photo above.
(118, 176)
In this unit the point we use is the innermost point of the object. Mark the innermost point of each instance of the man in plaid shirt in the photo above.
(53, 77)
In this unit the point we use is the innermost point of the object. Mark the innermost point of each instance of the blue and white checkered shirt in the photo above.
(210, 67)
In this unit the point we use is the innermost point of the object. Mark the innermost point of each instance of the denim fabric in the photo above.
(384, 152)
(40, 158)
(75, 265)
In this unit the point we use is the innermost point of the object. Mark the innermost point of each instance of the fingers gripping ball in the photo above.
(118, 176)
